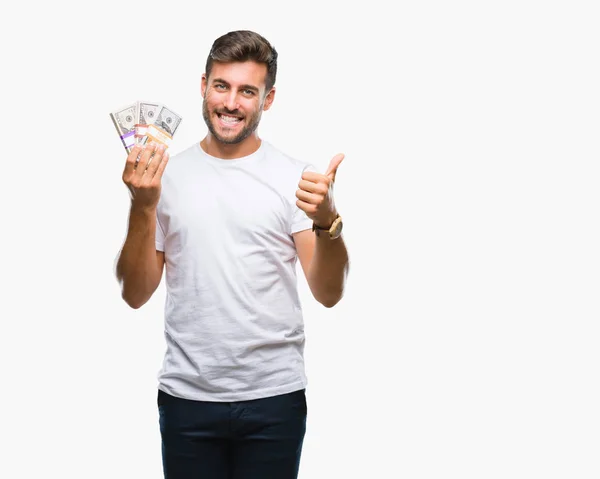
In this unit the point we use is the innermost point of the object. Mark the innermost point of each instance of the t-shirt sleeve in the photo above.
(300, 221)
(160, 235)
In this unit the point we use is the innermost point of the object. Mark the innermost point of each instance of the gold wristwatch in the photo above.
(335, 230)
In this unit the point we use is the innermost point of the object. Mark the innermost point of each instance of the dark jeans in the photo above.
(257, 439)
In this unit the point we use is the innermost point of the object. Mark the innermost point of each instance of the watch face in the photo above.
(337, 230)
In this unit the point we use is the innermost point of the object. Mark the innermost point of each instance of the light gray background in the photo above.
(467, 343)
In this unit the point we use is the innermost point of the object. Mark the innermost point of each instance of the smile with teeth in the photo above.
(228, 119)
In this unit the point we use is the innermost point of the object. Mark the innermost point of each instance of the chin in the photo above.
(229, 141)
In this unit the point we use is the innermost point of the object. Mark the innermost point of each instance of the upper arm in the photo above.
(305, 246)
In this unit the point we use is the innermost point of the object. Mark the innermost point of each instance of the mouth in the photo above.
(229, 121)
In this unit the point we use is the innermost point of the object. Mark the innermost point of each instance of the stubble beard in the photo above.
(251, 124)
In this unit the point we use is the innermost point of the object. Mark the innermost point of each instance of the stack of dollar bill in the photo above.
(142, 122)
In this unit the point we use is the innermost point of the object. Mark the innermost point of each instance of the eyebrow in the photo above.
(242, 87)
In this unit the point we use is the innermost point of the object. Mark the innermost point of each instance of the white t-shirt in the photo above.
(233, 321)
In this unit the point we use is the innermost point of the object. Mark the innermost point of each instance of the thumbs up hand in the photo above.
(315, 194)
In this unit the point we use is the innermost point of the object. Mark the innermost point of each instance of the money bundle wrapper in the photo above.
(163, 128)
(124, 120)
(142, 122)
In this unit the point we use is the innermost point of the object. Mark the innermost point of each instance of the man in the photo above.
(228, 220)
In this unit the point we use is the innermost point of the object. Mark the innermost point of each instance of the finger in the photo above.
(311, 187)
(161, 167)
(131, 160)
(310, 198)
(333, 166)
(315, 177)
(154, 162)
(150, 150)
(306, 207)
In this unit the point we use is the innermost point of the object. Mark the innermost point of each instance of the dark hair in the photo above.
(242, 46)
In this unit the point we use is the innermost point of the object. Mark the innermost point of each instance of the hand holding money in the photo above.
(143, 176)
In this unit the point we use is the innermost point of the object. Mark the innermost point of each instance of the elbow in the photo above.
(330, 296)
(133, 298)
(137, 287)
(328, 291)
(133, 303)
(329, 301)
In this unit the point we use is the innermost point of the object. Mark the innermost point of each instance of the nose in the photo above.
(230, 101)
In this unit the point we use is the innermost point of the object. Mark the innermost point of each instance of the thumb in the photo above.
(333, 166)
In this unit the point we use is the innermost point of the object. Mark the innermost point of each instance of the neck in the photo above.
(225, 151)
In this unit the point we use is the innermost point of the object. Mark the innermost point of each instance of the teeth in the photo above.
(229, 119)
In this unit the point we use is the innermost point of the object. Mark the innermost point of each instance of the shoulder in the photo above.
(179, 162)
(190, 152)
(283, 162)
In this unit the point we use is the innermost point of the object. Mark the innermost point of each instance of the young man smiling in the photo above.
(228, 220)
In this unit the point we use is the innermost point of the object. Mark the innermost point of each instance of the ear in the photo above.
(203, 84)
(269, 99)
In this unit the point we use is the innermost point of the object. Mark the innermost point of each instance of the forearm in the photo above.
(328, 270)
(137, 268)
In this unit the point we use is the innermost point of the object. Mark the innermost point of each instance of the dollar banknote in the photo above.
(124, 120)
(141, 122)
(146, 115)
(164, 127)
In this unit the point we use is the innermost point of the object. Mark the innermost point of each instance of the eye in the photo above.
(248, 92)
(219, 86)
